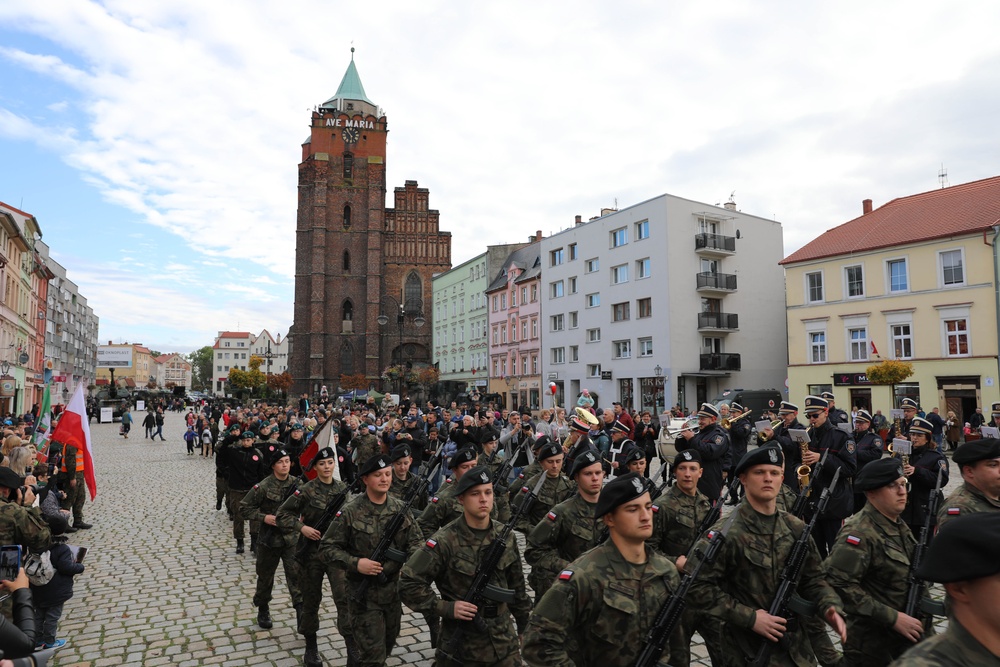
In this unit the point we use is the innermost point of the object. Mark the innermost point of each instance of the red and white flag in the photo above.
(74, 429)
(874, 349)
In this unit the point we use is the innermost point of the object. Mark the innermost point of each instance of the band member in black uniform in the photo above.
(789, 413)
(712, 444)
(834, 414)
(869, 448)
(921, 469)
(740, 429)
(824, 437)
(909, 406)
(995, 416)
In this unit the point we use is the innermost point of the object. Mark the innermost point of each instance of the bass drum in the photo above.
(666, 446)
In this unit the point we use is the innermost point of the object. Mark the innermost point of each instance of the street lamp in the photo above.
(268, 356)
(415, 310)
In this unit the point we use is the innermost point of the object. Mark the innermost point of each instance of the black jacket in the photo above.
(60, 588)
(18, 638)
(843, 455)
(246, 467)
(926, 462)
(713, 445)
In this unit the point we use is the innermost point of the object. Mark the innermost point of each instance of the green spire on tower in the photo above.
(350, 86)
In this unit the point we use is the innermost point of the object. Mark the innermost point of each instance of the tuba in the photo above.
(586, 417)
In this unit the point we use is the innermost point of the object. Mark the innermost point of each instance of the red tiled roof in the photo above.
(15, 210)
(142, 350)
(232, 334)
(951, 211)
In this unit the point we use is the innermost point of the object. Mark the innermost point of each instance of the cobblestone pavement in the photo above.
(163, 584)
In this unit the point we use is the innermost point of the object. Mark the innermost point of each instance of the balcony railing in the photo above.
(719, 362)
(715, 242)
(716, 281)
(718, 321)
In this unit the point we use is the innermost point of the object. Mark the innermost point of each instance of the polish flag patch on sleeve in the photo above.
(431, 544)
(853, 540)
(551, 516)
(434, 499)
(566, 575)
(337, 515)
(954, 511)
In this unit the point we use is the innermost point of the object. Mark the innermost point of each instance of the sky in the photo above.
(157, 143)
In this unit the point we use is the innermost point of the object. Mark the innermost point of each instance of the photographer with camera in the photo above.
(20, 523)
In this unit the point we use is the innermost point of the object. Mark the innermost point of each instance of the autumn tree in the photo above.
(354, 381)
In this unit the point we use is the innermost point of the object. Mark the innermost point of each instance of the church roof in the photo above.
(350, 86)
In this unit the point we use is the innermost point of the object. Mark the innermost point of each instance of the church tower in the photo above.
(362, 272)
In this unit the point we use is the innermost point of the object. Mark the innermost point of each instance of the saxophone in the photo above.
(803, 472)
(897, 426)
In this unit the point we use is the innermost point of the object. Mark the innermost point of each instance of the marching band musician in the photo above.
(740, 430)
(789, 414)
(921, 470)
(824, 436)
(870, 447)
(909, 406)
(712, 444)
(834, 414)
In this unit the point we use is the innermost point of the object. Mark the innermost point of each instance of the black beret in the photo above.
(464, 455)
(474, 477)
(766, 455)
(10, 479)
(374, 464)
(687, 456)
(399, 452)
(325, 453)
(977, 450)
(277, 455)
(585, 460)
(966, 548)
(635, 454)
(816, 404)
(878, 473)
(549, 450)
(540, 442)
(619, 491)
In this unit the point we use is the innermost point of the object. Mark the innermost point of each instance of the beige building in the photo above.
(916, 280)
(138, 375)
(172, 370)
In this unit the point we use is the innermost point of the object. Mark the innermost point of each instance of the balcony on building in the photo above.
(714, 245)
(719, 361)
(718, 322)
(709, 281)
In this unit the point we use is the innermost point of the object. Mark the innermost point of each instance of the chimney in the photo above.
(866, 207)
(538, 235)
(579, 220)
(729, 205)
(110, 343)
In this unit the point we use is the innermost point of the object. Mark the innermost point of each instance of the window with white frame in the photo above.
(619, 237)
(817, 347)
(641, 268)
(534, 327)
(593, 265)
(855, 278)
(524, 329)
(496, 367)
(645, 347)
(858, 340)
(556, 289)
(513, 298)
(534, 364)
(898, 276)
(902, 341)
(642, 230)
(952, 268)
(956, 333)
(556, 257)
(503, 333)
(496, 335)
(574, 319)
(593, 300)
(619, 274)
(534, 293)
(622, 349)
(524, 365)
(524, 295)
(572, 285)
(593, 370)
(594, 335)
(503, 301)
(574, 353)
(814, 287)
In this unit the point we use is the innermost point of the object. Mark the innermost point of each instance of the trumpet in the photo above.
(727, 423)
(689, 425)
(775, 424)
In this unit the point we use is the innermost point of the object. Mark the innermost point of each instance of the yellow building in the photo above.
(137, 375)
(915, 279)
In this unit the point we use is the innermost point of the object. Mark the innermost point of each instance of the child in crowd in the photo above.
(50, 598)
(189, 437)
(206, 442)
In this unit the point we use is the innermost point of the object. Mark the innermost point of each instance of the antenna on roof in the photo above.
(943, 176)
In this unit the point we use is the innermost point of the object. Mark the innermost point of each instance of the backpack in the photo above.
(39, 568)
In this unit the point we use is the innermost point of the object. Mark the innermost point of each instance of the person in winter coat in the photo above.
(149, 423)
(50, 598)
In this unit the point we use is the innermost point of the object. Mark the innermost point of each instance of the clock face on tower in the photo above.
(351, 135)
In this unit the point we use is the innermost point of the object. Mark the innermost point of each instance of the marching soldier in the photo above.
(222, 471)
(351, 540)
(789, 414)
(868, 568)
(635, 461)
(556, 488)
(568, 529)
(493, 461)
(965, 557)
(836, 415)
(401, 458)
(445, 507)
(909, 406)
(449, 559)
(739, 584)
(841, 454)
(245, 466)
(740, 430)
(869, 448)
(677, 518)
(273, 546)
(921, 470)
(295, 443)
(601, 606)
(530, 470)
(298, 515)
(712, 445)
(979, 463)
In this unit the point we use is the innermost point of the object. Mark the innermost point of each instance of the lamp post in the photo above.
(268, 356)
(657, 388)
(413, 308)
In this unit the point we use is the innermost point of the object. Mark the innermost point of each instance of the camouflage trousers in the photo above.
(311, 575)
(708, 626)
(75, 497)
(235, 498)
(267, 564)
(376, 628)
(440, 660)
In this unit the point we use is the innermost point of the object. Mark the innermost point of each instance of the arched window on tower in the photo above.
(347, 215)
(347, 317)
(348, 165)
(412, 292)
(346, 358)
(347, 261)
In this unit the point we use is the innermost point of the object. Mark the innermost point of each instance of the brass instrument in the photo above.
(803, 472)
(586, 417)
(689, 425)
(727, 423)
(775, 424)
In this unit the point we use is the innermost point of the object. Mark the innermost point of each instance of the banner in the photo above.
(43, 426)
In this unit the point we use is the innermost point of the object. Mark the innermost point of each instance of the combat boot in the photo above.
(311, 657)
(239, 546)
(264, 617)
(353, 654)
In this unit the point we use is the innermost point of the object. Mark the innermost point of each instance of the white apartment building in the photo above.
(666, 302)
(273, 350)
(231, 350)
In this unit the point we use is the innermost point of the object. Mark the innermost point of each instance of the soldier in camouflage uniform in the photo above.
(568, 529)
(529, 470)
(738, 586)
(444, 507)
(449, 559)
(979, 463)
(350, 541)
(557, 487)
(965, 557)
(298, 515)
(868, 568)
(490, 451)
(677, 518)
(601, 606)
(365, 445)
(401, 458)
(273, 546)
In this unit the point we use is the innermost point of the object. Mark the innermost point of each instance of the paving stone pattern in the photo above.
(163, 585)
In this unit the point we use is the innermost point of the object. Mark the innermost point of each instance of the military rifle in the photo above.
(917, 587)
(713, 514)
(306, 546)
(670, 613)
(657, 491)
(789, 579)
(799, 507)
(384, 549)
(503, 472)
(481, 590)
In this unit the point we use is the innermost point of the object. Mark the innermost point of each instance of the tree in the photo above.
(155, 353)
(255, 361)
(201, 366)
(281, 382)
(355, 381)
